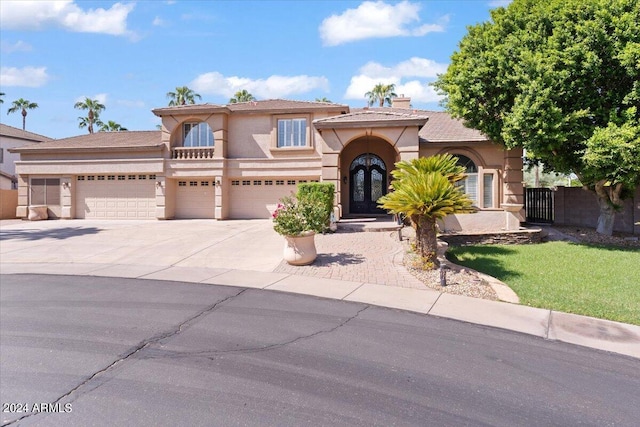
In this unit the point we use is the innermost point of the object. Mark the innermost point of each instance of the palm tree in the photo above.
(2, 94)
(111, 126)
(424, 191)
(381, 93)
(94, 107)
(22, 105)
(242, 96)
(183, 95)
(323, 99)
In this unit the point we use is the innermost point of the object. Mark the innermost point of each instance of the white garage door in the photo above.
(195, 199)
(116, 196)
(258, 198)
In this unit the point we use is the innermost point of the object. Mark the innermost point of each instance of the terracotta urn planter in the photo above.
(300, 250)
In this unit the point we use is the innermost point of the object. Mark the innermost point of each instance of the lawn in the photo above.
(595, 281)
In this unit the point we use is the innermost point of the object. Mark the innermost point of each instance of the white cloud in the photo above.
(214, 83)
(411, 77)
(18, 46)
(158, 22)
(26, 76)
(38, 15)
(100, 97)
(375, 20)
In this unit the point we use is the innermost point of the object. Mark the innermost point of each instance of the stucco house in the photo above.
(11, 137)
(236, 160)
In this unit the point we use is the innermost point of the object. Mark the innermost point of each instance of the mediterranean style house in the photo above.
(237, 160)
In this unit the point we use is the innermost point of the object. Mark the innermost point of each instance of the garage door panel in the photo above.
(255, 199)
(115, 199)
(195, 199)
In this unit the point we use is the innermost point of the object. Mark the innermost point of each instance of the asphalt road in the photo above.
(90, 351)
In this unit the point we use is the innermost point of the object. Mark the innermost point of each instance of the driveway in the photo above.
(243, 244)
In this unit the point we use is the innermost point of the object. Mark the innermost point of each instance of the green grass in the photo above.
(595, 281)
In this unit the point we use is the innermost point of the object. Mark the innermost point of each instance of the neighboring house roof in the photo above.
(99, 140)
(8, 176)
(10, 131)
(373, 118)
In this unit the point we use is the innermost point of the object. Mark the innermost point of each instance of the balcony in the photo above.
(188, 153)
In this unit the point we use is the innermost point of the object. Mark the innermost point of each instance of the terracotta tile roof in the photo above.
(373, 115)
(190, 108)
(10, 131)
(275, 105)
(124, 139)
(441, 127)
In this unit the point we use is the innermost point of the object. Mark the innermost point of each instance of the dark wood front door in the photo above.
(367, 183)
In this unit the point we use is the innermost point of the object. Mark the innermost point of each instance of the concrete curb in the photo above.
(585, 331)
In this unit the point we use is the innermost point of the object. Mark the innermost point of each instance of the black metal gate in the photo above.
(538, 204)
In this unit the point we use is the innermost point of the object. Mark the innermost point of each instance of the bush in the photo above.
(322, 193)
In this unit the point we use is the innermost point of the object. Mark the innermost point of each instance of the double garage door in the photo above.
(115, 196)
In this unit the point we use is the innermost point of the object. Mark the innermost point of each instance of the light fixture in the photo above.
(66, 185)
(218, 183)
(344, 180)
(158, 184)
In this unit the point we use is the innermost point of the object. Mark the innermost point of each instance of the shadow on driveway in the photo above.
(341, 258)
(56, 233)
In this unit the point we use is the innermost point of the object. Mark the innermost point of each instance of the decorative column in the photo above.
(513, 189)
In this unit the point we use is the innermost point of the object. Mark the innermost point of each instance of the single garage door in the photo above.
(258, 198)
(195, 199)
(116, 196)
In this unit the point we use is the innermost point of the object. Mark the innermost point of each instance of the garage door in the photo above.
(258, 198)
(195, 199)
(116, 196)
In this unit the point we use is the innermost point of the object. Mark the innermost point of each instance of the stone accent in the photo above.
(497, 238)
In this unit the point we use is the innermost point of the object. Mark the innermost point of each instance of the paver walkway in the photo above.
(369, 257)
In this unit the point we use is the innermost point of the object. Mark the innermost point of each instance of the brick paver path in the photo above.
(370, 257)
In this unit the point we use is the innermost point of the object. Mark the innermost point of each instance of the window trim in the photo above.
(275, 120)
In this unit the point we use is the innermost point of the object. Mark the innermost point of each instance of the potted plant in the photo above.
(298, 220)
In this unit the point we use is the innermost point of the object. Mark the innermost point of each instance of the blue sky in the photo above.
(130, 54)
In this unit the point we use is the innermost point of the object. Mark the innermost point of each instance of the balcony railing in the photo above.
(188, 153)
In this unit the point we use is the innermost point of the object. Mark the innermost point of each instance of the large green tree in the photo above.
(94, 108)
(182, 96)
(424, 191)
(381, 93)
(242, 96)
(560, 78)
(22, 105)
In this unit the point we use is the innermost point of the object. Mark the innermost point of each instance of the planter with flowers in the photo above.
(298, 218)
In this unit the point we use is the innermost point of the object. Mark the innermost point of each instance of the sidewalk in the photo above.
(346, 269)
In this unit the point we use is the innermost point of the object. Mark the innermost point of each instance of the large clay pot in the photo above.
(300, 250)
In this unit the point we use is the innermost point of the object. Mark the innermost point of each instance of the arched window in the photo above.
(197, 134)
(470, 184)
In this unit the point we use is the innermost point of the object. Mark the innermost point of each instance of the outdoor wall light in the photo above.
(344, 180)
(158, 184)
(217, 183)
(66, 185)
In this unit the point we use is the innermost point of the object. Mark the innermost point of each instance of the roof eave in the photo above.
(200, 109)
(154, 147)
(359, 124)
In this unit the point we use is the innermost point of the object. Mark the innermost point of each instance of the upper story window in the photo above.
(292, 132)
(197, 135)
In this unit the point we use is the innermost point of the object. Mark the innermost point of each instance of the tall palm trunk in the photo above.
(24, 119)
(90, 117)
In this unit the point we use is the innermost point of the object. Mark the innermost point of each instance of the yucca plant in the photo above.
(424, 191)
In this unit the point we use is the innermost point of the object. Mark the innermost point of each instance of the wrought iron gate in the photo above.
(539, 205)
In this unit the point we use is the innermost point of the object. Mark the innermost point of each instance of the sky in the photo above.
(128, 55)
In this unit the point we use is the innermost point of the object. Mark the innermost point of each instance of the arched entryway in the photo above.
(367, 183)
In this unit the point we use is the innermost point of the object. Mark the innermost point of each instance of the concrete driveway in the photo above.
(240, 244)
